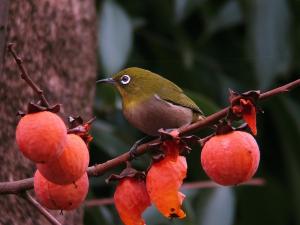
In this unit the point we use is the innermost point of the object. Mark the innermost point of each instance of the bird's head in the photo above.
(133, 83)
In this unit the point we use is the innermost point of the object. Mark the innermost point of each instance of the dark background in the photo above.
(206, 47)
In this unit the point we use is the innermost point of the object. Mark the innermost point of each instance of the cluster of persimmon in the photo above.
(230, 157)
(62, 158)
(160, 186)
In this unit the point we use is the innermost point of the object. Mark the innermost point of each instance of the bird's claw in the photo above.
(133, 151)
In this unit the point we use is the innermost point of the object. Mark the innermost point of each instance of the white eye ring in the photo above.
(125, 79)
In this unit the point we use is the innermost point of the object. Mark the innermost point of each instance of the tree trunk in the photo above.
(57, 42)
(3, 23)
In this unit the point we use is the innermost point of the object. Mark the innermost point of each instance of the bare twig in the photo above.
(99, 202)
(15, 187)
(40, 208)
(280, 90)
(211, 184)
(186, 186)
(26, 77)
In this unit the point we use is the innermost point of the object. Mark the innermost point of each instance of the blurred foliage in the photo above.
(206, 47)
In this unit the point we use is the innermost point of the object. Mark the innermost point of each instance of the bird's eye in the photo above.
(125, 79)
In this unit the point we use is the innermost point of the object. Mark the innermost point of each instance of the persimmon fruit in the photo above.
(70, 165)
(60, 197)
(131, 200)
(41, 136)
(163, 181)
(231, 158)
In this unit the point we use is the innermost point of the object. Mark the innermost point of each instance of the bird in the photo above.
(151, 102)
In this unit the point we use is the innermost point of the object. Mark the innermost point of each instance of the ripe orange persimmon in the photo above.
(131, 200)
(70, 165)
(41, 136)
(230, 159)
(63, 197)
(164, 180)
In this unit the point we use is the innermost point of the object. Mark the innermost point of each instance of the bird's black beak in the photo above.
(107, 80)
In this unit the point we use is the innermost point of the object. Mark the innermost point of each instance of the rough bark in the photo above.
(3, 23)
(57, 40)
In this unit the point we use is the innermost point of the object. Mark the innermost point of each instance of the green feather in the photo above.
(146, 84)
(178, 97)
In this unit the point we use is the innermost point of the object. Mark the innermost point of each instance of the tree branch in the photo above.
(40, 208)
(186, 186)
(97, 170)
(15, 187)
(99, 202)
(211, 184)
(26, 77)
(280, 90)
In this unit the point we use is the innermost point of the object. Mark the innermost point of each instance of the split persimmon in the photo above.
(131, 200)
(164, 180)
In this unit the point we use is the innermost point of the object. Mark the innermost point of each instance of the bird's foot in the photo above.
(168, 134)
(133, 150)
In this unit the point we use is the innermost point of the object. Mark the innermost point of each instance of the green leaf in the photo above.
(219, 209)
(105, 98)
(105, 138)
(230, 15)
(153, 216)
(106, 214)
(204, 103)
(98, 215)
(269, 34)
(262, 205)
(289, 132)
(115, 37)
(180, 9)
